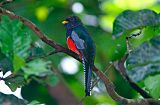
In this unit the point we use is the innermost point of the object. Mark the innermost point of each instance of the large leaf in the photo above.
(11, 100)
(129, 20)
(152, 84)
(37, 67)
(14, 41)
(144, 60)
(14, 82)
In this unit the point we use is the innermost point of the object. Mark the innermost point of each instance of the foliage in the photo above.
(129, 20)
(15, 44)
(11, 100)
(144, 60)
(152, 84)
(14, 82)
(14, 38)
(37, 67)
(22, 53)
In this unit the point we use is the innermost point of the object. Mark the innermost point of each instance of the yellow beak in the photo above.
(64, 22)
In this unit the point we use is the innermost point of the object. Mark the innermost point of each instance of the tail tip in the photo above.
(88, 94)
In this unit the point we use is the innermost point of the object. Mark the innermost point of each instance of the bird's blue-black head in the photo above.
(72, 22)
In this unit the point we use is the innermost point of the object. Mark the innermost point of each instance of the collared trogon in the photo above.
(80, 42)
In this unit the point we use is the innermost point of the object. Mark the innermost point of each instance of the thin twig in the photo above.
(50, 53)
(129, 37)
(134, 35)
(42, 56)
(122, 71)
(97, 80)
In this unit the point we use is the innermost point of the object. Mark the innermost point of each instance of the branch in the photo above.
(108, 84)
(97, 80)
(123, 73)
(30, 58)
(124, 101)
(5, 2)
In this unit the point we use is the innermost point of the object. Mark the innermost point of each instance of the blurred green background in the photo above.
(98, 17)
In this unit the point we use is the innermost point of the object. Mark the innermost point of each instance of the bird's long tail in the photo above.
(88, 76)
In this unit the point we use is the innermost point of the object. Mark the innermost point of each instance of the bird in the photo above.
(79, 41)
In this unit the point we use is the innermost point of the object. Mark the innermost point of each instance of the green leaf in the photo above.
(51, 80)
(36, 52)
(11, 100)
(14, 40)
(144, 60)
(152, 84)
(18, 62)
(37, 67)
(129, 20)
(147, 33)
(14, 82)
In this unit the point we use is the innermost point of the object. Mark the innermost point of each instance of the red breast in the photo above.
(72, 46)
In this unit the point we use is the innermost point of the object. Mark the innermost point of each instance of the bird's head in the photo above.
(72, 22)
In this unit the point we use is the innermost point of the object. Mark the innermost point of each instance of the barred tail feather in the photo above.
(88, 76)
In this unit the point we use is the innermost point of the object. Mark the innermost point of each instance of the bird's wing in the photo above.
(81, 46)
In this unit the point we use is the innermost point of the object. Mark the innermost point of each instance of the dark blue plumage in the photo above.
(84, 44)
